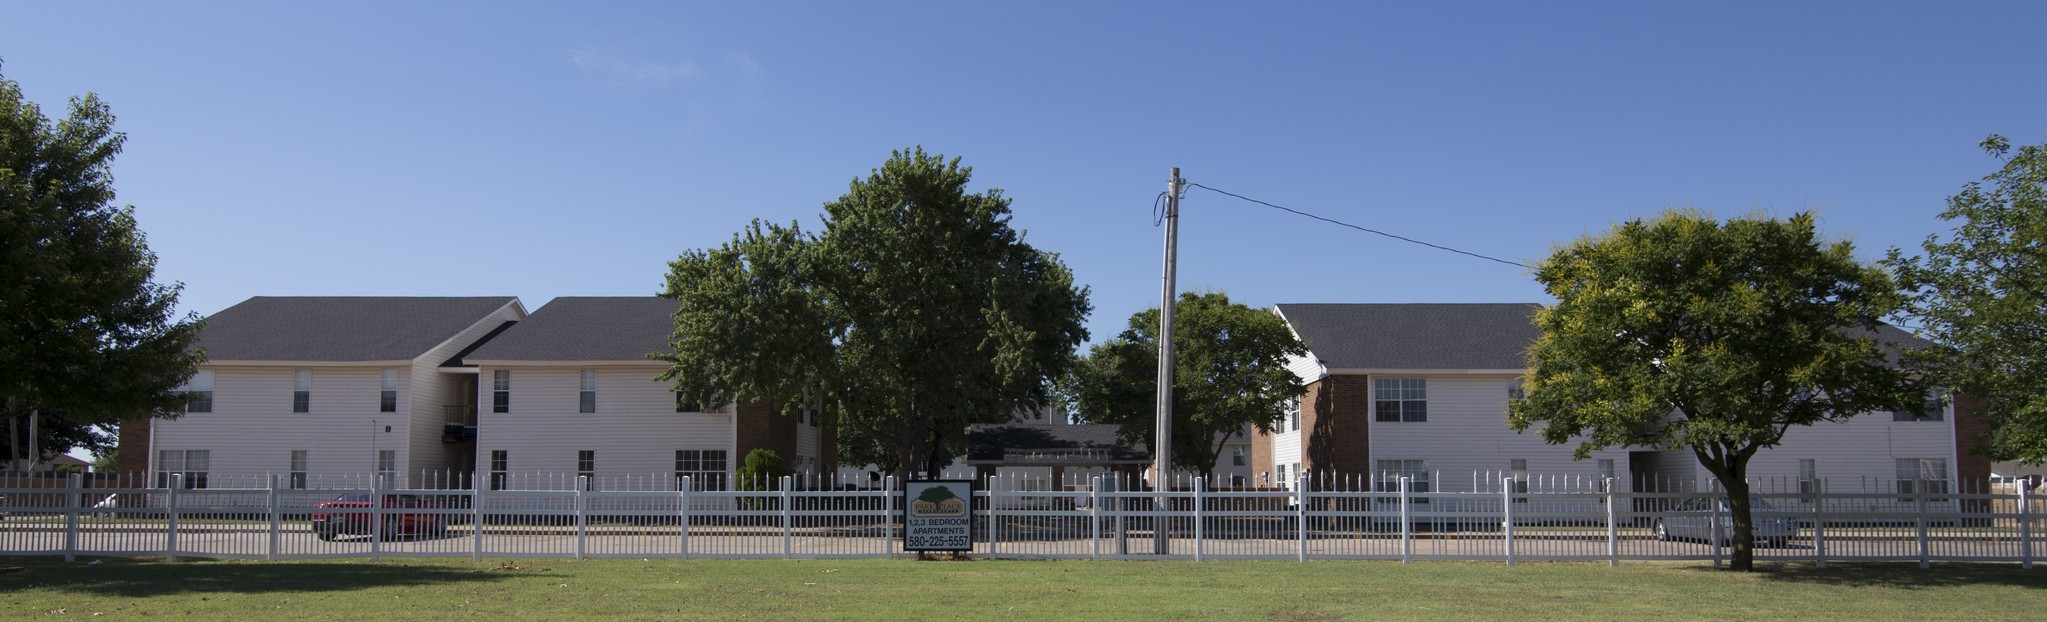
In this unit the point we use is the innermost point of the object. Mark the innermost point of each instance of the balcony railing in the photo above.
(459, 413)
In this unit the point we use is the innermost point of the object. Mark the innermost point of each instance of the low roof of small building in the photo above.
(1439, 335)
(594, 328)
(340, 328)
(1082, 444)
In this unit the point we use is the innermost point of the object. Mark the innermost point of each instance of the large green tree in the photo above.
(916, 312)
(1712, 337)
(1229, 373)
(1982, 295)
(86, 336)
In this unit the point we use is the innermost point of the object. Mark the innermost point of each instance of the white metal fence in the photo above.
(1510, 518)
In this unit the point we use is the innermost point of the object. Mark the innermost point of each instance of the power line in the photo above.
(1364, 229)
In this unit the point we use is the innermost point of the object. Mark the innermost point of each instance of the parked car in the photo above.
(397, 521)
(1692, 519)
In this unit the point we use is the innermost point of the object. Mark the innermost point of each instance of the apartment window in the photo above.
(501, 391)
(1298, 473)
(586, 468)
(301, 391)
(1922, 475)
(704, 467)
(1517, 472)
(298, 469)
(1237, 457)
(586, 401)
(387, 467)
(499, 460)
(191, 463)
(1515, 392)
(1293, 414)
(1606, 473)
(1809, 476)
(1416, 472)
(685, 405)
(387, 399)
(1933, 407)
(199, 392)
(1283, 481)
(1400, 399)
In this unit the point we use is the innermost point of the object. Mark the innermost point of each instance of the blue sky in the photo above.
(540, 150)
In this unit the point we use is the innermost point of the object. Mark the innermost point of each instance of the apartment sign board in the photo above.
(937, 515)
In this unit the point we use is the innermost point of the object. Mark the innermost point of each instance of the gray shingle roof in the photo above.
(1415, 336)
(620, 328)
(1436, 335)
(339, 328)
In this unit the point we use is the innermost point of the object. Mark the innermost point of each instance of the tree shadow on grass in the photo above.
(1905, 576)
(137, 578)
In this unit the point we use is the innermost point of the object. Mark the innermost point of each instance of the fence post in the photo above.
(276, 521)
(376, 517)
(1819, 523)
(1094, 525)
(1406, 526)
(582, 517)
(682, 512)
(1713, 528)
(2025, 527)
(475, 519)
(1920, 521)
(1200, 483)
(786, 542)
(170, 538)
(888, 515)
(994, 531)
(1301, 515)
(74, 496)
(1507, 516)
(1613, 541)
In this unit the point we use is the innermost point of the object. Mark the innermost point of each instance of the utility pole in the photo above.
(1162, 445)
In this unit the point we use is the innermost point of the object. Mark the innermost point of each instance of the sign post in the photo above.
(938, 515)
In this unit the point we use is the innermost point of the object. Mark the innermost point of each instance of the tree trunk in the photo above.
(933, 468)
(1730, 466)
(1739, 510)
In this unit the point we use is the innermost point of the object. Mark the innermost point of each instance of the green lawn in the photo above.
(555, 589)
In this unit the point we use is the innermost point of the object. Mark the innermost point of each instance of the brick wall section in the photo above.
(1261, 457)
(131, 452)
(1972, 465)
(1334, 415)
(760, 427)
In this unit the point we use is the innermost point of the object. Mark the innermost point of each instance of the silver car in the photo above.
(1692, 519)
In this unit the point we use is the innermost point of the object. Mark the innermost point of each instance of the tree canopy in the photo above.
(1229, 373)
(1981, 293)
(86, 336)
(1685, 332)
(916, 312)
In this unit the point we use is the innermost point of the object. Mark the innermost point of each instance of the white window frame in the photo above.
(387, 395)
(199, 392)
(1410, 397)
(501, 390)
(1387, 474)
(586, 395)
(302, 391)
(706, 468)
(1293, 414)
(299, 459)
(192, 463)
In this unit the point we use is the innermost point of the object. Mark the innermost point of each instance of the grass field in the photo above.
(555, 589)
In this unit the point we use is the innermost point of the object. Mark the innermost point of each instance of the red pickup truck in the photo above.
(397, 521)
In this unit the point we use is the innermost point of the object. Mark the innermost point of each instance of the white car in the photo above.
(1692, 519)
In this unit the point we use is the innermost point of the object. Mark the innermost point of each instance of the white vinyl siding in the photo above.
(425, 391)
(1466, 438)
(636, 433)
(248, 438)
(1850, 456)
